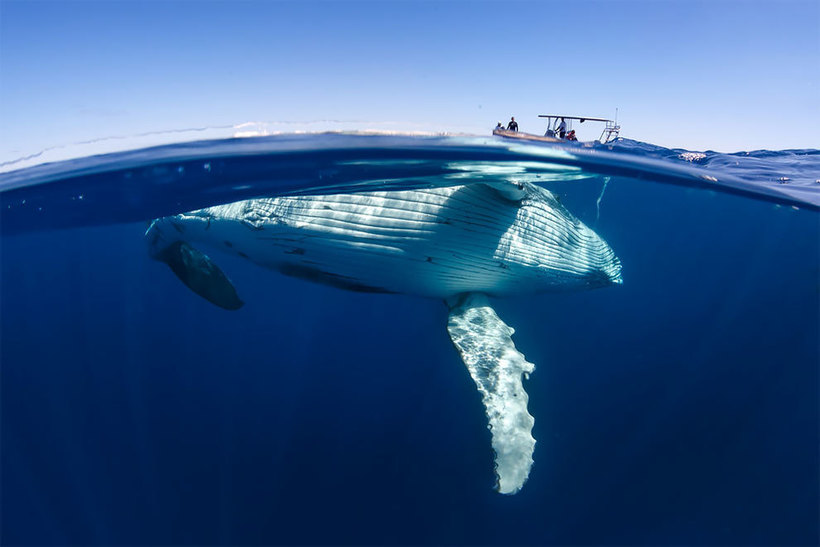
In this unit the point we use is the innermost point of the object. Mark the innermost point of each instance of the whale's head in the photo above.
(557, 249)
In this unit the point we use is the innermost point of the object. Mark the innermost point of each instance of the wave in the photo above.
(797, 167)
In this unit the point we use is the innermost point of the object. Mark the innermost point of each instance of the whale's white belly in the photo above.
(434, 242)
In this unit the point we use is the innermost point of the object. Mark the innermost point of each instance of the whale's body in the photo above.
(437, 242)
(456, 243)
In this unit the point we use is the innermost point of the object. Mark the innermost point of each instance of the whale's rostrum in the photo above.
(461, 244)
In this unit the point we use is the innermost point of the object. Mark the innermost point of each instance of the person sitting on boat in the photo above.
(513, 125)
(499, 127)
(562, 129)
(571, 136)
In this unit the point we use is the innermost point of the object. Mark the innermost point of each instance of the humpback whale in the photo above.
(462, 244)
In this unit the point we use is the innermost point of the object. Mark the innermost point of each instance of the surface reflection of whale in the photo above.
(460, 244)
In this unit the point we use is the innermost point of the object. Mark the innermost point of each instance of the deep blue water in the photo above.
(678, 408)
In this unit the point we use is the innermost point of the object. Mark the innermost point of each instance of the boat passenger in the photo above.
(513, 125)
(571, 136)
(499, 127)
(562, 129)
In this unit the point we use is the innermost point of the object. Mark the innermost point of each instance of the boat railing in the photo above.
(610, 132)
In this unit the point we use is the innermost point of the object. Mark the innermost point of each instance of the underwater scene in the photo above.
(394, 339)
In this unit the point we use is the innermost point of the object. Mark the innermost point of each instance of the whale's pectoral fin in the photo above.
(486, 347)
(200, 274)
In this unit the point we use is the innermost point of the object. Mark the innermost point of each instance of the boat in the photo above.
(610, 132)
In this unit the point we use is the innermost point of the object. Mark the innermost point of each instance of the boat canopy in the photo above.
(582, 119)
(610, 132)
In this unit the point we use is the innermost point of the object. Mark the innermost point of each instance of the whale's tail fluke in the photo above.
(486, 347)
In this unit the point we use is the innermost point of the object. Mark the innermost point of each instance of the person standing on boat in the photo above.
(513, 125)
(562, 129)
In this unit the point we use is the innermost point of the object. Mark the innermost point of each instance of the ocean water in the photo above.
(680, 407)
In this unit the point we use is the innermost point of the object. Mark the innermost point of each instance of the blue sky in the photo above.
(722, 75)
